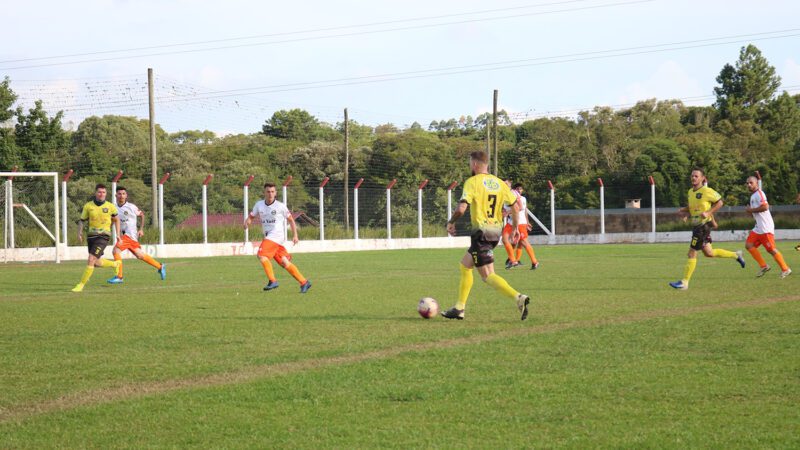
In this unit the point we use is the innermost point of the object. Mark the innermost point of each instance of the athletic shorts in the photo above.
(126, 243)
(482, 248)
(701, 235)
(523, 230)
(97, 244)
(766, 239)
(270, 249)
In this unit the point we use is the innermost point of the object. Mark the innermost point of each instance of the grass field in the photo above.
(610, 357)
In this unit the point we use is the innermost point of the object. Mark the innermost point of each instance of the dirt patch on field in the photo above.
(248, 374)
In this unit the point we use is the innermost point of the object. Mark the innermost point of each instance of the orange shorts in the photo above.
(523, 230)
(766, 239)
(126, 243)
(270, 249)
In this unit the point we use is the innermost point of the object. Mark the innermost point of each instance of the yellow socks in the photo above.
(295, 272)
(87, 273)
(757, 256)
(149, 260)
(118, 258)
(464, 286)
(691, 263)
(498, 283)
(268, 269)
(720, 253)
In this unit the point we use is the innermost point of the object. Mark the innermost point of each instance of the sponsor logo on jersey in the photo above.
(698, 196)
(491, 184)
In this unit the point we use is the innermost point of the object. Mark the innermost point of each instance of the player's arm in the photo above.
(457, 214)
(515, 221)
(293, 226)
(84, 217)
(714, 208)
(140, 233)
(249, 220)
(115, 220)
(761, 208)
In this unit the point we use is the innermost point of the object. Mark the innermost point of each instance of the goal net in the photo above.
(31, 219)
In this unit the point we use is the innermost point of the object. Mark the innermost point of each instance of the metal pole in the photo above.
(64, 211)
(389, 209)
(205, 214)
(494, 130)
(552, 208)
(355, 206)
(602, 207)
(322, 208)
(10, 187)
(285, 193)
(653, 207)
(7, 205)
(160, 210)
(153, 156)
(246, 190)
(57, 219)
(346, 172)
(419, 208)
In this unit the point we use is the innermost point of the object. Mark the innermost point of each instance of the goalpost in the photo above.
(30, 201)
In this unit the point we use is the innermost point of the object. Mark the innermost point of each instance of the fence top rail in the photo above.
(29, 174)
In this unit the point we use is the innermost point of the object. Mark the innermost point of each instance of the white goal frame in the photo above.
(8, 213)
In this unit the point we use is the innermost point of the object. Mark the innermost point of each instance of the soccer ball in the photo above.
(428, 307)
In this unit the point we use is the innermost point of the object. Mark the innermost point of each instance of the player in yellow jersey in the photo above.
(485, 196)
(703, 203)
(100, 214)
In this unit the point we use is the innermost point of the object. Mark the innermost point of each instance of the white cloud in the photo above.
(669, 81)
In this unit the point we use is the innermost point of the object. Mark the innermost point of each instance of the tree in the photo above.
(297, 125)
(746, 87)
(7, 146)
(42, 145)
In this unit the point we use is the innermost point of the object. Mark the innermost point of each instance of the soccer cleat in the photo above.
(271, 285)
(163, 271)
(797, 247)
(78, 288)
(522, 304)
(453, 313)
(679, 285)
(115, 280)
(305, 287)
(786, 273)
(534, 266)
(739, 258)
(512, 264)
(763, 271)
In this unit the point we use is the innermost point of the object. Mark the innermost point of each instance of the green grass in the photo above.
(610, 357)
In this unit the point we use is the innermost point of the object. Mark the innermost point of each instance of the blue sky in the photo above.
(236, 87)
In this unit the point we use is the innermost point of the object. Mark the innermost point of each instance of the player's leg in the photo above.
(512, 254)
(751, 245)
(265, 252)
(117, 278)
(285, 260)
(136, 249)
(523, 241)
(769, 244)
(465, 282)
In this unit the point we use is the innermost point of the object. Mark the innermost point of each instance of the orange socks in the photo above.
(757, 256)
(118, 257)
(268, 269)
(295, 272)
(149, 260)
(510, 251)
(779, 259)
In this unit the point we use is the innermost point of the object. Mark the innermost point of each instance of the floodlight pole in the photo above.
(64, 205)
(246, 199)
(419, 207)
(389, 208)
(322, 208)
(355, 207)
(161, 208)
(285, 196)
(205, 207)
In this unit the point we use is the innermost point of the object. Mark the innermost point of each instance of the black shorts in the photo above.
(482, 248)
(701, 235)
(97, 245)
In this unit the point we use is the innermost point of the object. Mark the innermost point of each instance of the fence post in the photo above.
(552, 210)
(64, 205)
(246, 200)
(285, 184)
(322, 208)
(389, 208)
(758, 175)
(419, 207)
(652, 208)
(602, 208)
(450, 201)
(114, 201)
(10, 210)
(161, 208)
(205, 207)
(355, 206)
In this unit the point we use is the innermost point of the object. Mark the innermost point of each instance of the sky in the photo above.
(228, 66)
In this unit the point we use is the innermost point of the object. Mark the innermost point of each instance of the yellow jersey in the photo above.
(99, 217)
(700, 201)
(486, 194)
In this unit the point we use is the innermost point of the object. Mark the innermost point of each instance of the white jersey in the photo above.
(764, 223)
(128, 214)
(523, 207)
(272, 220)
